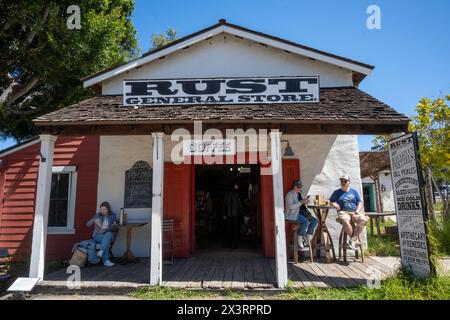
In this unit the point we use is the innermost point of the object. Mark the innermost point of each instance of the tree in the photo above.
(42, 60)
(379, 143)
(162, 39)
(432, 126)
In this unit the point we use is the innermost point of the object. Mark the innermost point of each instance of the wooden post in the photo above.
(429, 194)
(157, 210)
(37, 262)
(280, 232)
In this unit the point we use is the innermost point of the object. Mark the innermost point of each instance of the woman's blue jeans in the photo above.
(105, 240)
(307, 226)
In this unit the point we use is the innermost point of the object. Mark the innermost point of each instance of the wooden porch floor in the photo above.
(222, 270)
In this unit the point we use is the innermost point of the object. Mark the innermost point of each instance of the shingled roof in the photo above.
(373, 162)
(336, 105)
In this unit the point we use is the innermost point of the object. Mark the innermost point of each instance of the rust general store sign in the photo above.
(221, 91)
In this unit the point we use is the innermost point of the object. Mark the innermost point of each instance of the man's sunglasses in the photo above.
(342, 180)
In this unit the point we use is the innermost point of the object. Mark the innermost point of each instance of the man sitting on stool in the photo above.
(348, 204)
(296, 210)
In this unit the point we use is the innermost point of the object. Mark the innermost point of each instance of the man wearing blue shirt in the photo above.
(348, 204)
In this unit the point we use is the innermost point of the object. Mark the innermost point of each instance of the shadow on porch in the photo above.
(225, 270)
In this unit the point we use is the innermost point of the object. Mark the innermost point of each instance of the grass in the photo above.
(395, 288)
(166, 293)
(440, 231)
(386, 246)
(400, 287)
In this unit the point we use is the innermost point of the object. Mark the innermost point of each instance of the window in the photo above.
(61, 213)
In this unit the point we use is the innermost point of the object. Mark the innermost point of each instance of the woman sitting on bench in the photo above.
(104, 231)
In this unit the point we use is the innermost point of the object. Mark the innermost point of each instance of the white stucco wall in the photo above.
(118, 154)
(228, 56)
(323, 159)
(387, 197)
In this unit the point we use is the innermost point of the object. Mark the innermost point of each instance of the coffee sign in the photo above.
(209, 147)
(251, 90)
(410, 206)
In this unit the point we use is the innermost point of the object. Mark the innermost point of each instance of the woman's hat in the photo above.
(297, 183)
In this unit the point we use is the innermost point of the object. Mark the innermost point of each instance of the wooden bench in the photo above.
(377, 216)
(168, 240)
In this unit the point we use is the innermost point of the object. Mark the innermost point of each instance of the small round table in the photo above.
(128, 256)
(321, 212)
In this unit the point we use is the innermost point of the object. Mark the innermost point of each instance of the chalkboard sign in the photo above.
(138, 186)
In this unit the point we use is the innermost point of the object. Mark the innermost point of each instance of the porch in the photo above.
(242, 270)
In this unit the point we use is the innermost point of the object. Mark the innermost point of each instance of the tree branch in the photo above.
(29, 39)
(15, 91)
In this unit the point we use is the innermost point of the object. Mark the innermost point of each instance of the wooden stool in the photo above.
(294, 225)
(343, 245)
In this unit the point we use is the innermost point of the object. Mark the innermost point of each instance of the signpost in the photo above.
(250, 90)
(410, 206)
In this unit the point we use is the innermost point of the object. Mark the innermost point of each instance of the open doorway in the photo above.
(227, 207)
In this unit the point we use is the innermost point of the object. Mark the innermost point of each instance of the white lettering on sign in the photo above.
(411, 214)
(221, 91)
(209, 147)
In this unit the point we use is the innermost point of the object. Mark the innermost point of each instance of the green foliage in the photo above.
(439, 231)
(386, 246)
(379, 143)
(58, 57)
(399, 287)
(432, 126)
(162, 39)
(395, 288)
(166, 293)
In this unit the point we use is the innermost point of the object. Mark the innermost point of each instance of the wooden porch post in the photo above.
(157, 210)
(280, 236)
(37, 263)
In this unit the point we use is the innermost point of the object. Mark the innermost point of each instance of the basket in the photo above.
(79, 258)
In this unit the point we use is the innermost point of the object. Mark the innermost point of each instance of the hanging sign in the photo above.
(209, 147)
(251, 90)
(411, 211)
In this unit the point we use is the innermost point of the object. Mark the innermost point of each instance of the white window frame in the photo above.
(70, 228)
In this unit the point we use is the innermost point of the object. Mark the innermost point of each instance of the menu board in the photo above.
(138, 186)
(411, 211)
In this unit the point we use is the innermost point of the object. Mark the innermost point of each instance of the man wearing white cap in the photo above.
(348, 204)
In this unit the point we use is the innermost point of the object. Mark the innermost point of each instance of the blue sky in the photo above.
(411, 51)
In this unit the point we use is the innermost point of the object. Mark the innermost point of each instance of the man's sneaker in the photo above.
(108, 263)
(100, 253)
(351, 245)
(302, 246)
(310, 237)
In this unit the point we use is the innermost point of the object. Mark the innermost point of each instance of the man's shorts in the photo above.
(353, 216)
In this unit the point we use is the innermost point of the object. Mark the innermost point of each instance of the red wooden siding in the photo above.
(177, 204)
(291, 171)
(18, 182)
